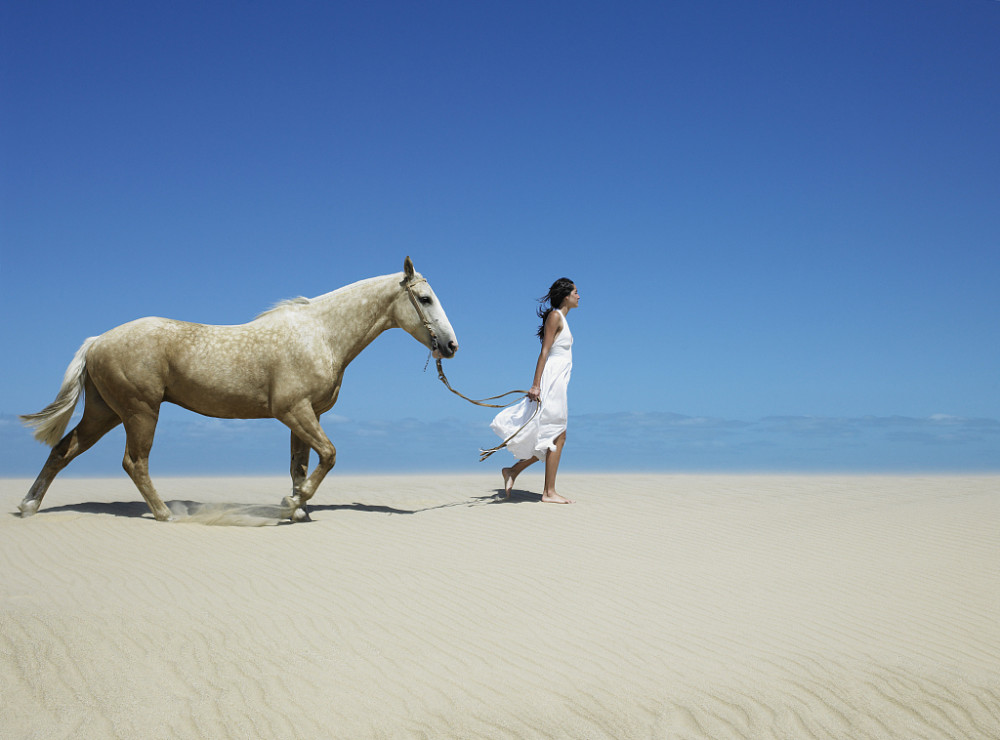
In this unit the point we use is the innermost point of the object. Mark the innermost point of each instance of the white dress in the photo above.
(539, 436)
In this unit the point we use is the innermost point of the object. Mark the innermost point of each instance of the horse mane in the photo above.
(282, 305)
(290, 303)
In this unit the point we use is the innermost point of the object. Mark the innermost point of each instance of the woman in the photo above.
(545, 435)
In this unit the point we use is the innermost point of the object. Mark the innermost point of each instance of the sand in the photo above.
(421, 607)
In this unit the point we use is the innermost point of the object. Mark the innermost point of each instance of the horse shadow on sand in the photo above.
(233, 514)
(255, 515)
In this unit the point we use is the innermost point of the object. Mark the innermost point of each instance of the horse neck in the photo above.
(352, 317)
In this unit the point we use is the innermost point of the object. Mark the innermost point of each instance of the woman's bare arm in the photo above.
(553, 325)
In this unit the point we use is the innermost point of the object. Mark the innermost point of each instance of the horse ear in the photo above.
(408, 268)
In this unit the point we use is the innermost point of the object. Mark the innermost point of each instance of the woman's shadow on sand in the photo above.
(516, 497)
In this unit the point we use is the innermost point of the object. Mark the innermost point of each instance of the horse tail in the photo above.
(50, 423)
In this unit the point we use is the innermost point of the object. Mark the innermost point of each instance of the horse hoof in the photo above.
(301, 515)
(28, 508)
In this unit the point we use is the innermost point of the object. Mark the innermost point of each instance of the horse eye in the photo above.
(426, 300)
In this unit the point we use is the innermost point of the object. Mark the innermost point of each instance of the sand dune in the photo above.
(657, 607)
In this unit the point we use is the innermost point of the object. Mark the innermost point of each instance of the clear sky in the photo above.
(783, 217)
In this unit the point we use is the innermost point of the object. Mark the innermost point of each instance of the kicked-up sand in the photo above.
(658, 606)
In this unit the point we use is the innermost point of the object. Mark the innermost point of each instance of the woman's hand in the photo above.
(535, 393)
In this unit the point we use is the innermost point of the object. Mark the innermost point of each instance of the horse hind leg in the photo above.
(98, 419)
(140, 428)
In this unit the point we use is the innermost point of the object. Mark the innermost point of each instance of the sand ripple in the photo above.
(659, 607)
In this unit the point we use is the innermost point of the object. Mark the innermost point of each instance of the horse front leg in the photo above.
(300, 464)
(305, 426)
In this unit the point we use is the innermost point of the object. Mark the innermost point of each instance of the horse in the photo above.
(286, 364)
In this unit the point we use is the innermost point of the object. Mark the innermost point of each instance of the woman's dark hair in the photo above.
(556, 295)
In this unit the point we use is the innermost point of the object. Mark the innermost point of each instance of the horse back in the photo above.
(223, 371)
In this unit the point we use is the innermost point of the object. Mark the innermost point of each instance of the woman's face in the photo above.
(572, 300)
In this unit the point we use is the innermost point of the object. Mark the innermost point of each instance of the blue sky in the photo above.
(782, 217)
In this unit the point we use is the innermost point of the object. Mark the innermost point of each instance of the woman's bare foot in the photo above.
(508, 481)
(555, 498)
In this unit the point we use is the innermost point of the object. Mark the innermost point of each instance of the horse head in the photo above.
(420, 313)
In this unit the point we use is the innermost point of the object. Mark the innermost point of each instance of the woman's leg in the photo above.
(549, 494)
(509, 474)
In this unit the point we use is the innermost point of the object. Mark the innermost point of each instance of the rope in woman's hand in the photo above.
(483, 454)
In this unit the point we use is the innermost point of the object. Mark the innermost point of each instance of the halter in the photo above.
(483, 454)
(408, 287)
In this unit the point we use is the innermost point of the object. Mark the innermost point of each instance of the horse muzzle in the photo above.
(446, 351)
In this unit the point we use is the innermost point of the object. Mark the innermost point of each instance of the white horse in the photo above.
(286, 364)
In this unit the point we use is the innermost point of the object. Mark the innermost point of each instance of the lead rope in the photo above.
(483, 454)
